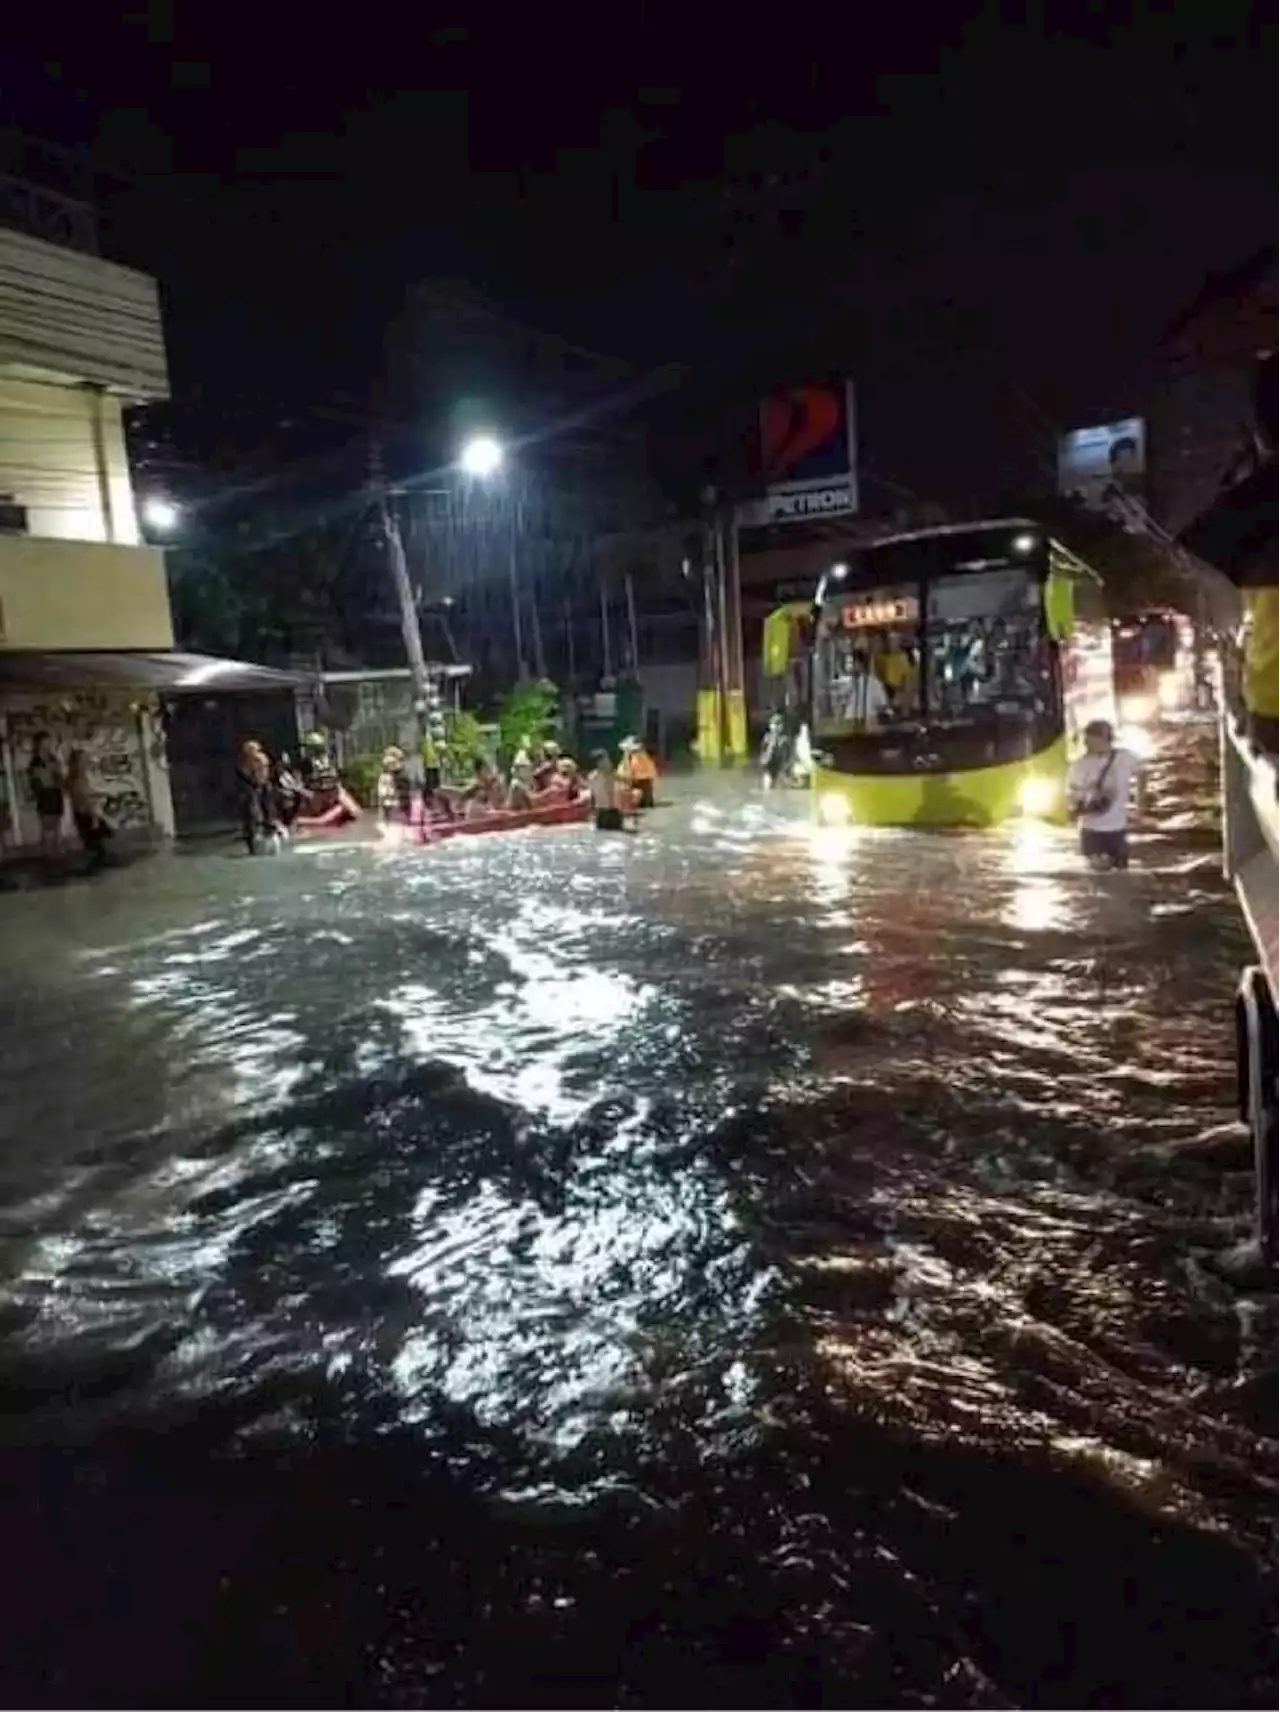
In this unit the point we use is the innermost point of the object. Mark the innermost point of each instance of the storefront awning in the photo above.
(161, 673)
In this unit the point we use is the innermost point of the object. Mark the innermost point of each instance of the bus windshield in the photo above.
(945, 663)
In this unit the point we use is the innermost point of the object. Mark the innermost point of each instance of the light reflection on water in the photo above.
(709, 1253)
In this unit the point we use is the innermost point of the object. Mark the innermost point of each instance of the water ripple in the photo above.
(742, 1264)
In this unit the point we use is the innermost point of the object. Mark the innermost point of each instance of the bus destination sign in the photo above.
(881, 614)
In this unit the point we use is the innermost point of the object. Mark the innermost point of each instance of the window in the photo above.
(985, 649)
(867, 660)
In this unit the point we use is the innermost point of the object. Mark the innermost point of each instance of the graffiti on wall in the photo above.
(106, 728)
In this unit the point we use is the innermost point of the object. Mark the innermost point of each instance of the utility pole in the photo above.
(710, 694)
(724, 661)
(606, 650)
(568, 644)
(409, 625)
(633, 629)
(735, 666)
(513, 571)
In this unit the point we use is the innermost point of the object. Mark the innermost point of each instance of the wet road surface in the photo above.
(738, 1265)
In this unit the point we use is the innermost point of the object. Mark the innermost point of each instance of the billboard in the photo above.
(807, 455)
(1105, 469)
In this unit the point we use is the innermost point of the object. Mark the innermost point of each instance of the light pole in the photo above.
(482, 458)
(410, 628)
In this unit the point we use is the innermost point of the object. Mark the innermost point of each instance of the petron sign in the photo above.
(807, 455)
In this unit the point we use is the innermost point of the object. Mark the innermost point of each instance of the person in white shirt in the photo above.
(865, 697)
(1099, 784)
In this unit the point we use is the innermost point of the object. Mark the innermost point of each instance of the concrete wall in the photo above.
(62, 456)
(73, 595)
(124, 742)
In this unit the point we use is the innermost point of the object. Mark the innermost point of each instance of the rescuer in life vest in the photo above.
(638, 771)
(326, 802)
(1262, 665)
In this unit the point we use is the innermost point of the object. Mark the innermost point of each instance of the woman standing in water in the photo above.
(92, 827)
(258, 819)
(48, 791)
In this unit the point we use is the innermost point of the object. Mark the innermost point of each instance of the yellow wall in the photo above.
(49, 460)
(73, 594)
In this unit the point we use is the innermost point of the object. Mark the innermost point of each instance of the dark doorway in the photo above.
(205, 734)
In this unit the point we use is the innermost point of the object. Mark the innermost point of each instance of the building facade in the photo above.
(1211, 392)
(81, 340)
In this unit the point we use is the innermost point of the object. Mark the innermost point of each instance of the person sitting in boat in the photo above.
(544, 766)
(638, 771)
(288, 792)
(326, 802)
(486, 793)
(549, 786)
(395, 795)
(522, 768)
(572, 784)
(317, 770)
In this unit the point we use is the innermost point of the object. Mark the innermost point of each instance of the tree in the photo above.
(526, 715)
(282, 585)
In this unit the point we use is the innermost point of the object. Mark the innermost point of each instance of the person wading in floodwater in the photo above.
(259, 823)
(638, 771)
(607, 796)
(1098, 789)
(91, 824)
(48, 792)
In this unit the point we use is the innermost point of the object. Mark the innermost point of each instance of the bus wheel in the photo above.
(1256, 1054)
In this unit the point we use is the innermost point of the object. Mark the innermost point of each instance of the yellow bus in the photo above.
(948, 673)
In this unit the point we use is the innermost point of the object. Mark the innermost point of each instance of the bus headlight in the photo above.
(1038, 796)
(833, 809)
(1169, 692)
(1137, 739)
(1138, 709)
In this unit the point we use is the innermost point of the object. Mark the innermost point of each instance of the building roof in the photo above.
(1237, 534)
(136, 669)
(389, 674)
(1232, 319)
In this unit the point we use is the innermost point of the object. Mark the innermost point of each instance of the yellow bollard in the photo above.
(707, 741)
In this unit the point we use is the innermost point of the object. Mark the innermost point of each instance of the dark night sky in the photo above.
(990, 223)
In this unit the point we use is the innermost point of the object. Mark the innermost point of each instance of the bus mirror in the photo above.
(1059, 605)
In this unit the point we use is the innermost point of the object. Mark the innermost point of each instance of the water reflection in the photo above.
(740, 1264)
(1035, 860)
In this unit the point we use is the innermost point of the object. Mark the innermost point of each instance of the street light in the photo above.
(160, 514)
(482, 456)
(832, 574)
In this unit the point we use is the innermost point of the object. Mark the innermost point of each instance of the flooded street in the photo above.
(735, 1265)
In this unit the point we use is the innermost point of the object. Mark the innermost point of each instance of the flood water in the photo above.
(736, 1265)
